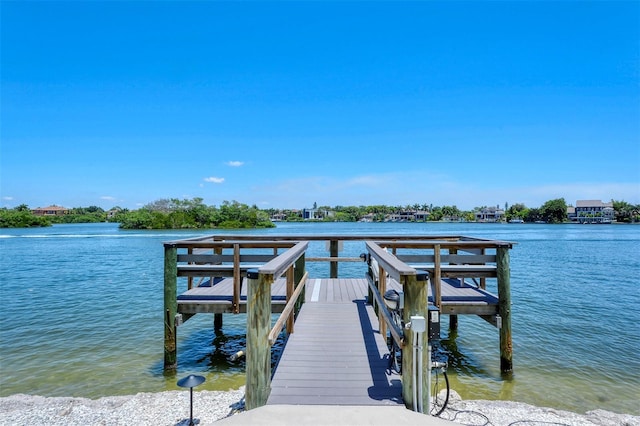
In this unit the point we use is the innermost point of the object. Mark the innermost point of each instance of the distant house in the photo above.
(369, 217)
(309, 214)
(113, 212)
(490, 214)
(316, 214)
(593, 211)
(278, 217)
(421, 216)
(50, 211)
(408, 216)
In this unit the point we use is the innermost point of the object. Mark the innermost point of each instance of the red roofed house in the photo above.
(50, 211)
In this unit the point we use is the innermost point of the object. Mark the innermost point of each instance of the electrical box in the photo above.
(418, 324)
(433, 322)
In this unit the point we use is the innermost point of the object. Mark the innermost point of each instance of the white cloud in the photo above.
(7, 198)
(235, 163)
(214, 179)
(108, 198)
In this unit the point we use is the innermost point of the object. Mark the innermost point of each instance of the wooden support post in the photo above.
(170, 306)
(382, 289)
(258, 367)
(298, 273)
(333, 252)
(415, 303)
(504, 309)
(453, 323)
(237, 278)
(290, 290)
(189, 279)
(217, 322)
(436, 279)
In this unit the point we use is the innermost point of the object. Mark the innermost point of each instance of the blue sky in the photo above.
(283, 104)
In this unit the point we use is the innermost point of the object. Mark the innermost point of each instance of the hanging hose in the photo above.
(421, 408)
(413, 373)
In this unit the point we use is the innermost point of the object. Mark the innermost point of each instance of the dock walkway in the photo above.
(336, 355)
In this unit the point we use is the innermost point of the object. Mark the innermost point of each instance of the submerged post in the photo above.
(258, 367)
(415, 304)
(170, 305)
(504, 309)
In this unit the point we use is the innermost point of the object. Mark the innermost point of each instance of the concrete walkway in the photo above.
(296, 415)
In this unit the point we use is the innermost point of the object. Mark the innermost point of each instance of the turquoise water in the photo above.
(82, 314)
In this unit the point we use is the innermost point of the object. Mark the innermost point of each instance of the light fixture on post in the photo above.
(190, 382)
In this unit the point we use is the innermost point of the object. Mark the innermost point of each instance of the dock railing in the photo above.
(260, 335)
(459, 258)
(398, 256)
(205, 258)
(414, 285)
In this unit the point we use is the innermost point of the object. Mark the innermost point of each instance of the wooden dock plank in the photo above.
(329, 284)
(336, 355)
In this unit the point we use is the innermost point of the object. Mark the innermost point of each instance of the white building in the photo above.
(593, 211)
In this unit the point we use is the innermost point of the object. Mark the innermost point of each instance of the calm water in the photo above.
(82, 314)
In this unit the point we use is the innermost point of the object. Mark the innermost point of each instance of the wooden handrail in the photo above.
(280, 264)
(396, 269)
(444, 243)
(288, 309)
(334, 259)
(391, 264)
(396, 332)
(388, 239)
(267, 243)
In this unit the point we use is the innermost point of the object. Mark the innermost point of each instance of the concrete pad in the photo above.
(332, 415)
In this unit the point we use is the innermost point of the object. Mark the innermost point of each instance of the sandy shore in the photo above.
(171, 408)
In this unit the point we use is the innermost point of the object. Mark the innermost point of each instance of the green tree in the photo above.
(554, 211)
(625, 212)
(517, 211)
(21, 217)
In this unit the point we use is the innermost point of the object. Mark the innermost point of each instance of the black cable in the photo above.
(488, 422)
(457, 412)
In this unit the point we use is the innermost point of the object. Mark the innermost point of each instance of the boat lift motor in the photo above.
(394, 300)
(433, 322)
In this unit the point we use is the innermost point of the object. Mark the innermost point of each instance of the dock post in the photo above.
(298, 273)
(217, 322)
(258, 367)
(453, 323)
(170, 306)
(504, 310)
(415, 303)
(333, 252)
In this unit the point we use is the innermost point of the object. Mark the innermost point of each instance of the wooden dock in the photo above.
(337, 328)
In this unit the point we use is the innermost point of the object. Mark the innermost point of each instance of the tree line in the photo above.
(194, 214)
(160, 214)
(552, 211)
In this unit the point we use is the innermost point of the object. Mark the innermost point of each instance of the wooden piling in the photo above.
(504, 309)
(258, 366)
(333, 252)
(217, 322)
(415, 303)
(298, 273)
(170, 306)
(453, 323)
